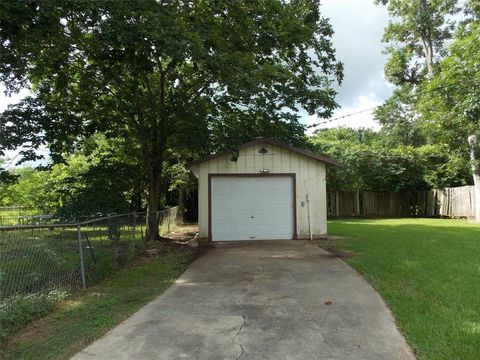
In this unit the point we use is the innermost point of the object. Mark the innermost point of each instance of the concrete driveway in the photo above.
(260, 300)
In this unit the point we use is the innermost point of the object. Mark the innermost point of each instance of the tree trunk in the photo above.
(474, 151)
(152, 233)
(427, 44)
(429, 57)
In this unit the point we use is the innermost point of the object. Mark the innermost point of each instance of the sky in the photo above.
(358, 26)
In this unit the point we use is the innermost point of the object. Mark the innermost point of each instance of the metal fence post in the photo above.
(80, 250)
(134, 224)
(133, 230)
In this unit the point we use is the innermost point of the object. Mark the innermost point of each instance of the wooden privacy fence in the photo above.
(457, 202)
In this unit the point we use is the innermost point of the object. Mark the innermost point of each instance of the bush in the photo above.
(18, 310)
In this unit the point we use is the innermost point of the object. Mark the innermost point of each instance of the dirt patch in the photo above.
(178, 238)
(335, 252)
(331, 244)
(182, 233)
(335, 237)
(38, 329)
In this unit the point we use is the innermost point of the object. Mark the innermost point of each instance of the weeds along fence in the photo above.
(456, 202)
(36, 258)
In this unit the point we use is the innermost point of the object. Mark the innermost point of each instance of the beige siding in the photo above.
(310, 177)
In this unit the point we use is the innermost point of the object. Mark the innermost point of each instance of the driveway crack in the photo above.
(253, 285)
(234, 340)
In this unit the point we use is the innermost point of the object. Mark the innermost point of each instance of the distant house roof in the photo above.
(297, 150)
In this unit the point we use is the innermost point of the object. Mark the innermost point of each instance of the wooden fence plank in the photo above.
(457, 202)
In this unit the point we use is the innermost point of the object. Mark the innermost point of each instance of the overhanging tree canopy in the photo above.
(161, 73)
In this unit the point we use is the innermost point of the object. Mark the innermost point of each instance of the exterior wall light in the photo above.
(264, 171)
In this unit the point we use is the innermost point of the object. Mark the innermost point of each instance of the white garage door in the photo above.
(251, 208)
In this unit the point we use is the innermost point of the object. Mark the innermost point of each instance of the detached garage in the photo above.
(266, 191)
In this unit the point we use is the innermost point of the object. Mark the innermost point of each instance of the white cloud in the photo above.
(358, 26)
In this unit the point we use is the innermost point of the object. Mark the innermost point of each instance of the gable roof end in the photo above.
(297, 150)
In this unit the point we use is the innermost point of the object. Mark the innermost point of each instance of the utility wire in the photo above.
(375, 107)
(342, 117)
(11, 161)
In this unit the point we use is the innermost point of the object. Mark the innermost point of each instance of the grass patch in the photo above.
(88, 315)
(428, 271)
(19, 310)
(34, 260)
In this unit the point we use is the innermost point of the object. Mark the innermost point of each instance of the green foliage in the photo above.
(434, 65)
(371, 163)
(22, 309)
(240, 126)
(25, 191)
(162, 74)
(399, 121)
(5, 176)
(452, 112)
(416, 37)
(101, 179)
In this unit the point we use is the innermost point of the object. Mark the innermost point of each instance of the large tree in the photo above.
(451, 112)
(160, 73)
(415, 39)
(437, 80)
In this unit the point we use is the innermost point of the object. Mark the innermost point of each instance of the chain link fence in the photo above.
(35, 258)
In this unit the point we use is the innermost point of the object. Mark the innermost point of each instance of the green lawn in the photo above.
(428, 272)
(87, 315)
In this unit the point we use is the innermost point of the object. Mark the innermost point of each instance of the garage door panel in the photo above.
(271, 202)
(223, 187)
(222, 203)
(226, 233)
(247, 208)
(223, 229)
(241, 232)
(270, 182)
(222, 217)
(232, 217)
(240, 185)
(273, 216)
(269, 232)
(241, 217)
(242, 202)
(230, 201)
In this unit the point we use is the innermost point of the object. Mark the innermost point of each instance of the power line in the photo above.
(375, 107)
(11, 161)
(342, 117)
